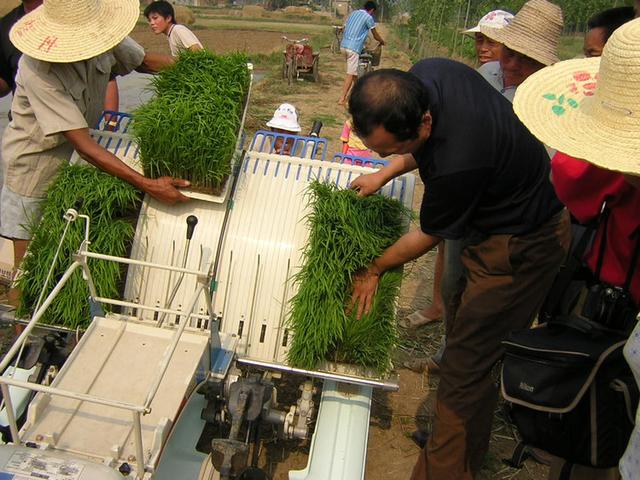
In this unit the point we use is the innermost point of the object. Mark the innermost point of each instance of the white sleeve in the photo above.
(185, 37)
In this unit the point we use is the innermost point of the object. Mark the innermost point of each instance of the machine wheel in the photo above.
(315, 70)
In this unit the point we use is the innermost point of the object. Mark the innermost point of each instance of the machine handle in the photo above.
(315, 129)
(192, 221)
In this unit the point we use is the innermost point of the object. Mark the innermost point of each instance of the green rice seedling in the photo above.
(111, 204)
(346, 233)
(189, 129)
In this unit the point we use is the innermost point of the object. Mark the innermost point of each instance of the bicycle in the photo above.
(368, 60)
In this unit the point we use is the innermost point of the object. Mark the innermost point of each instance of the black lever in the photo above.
(192, 221)
(315, 129)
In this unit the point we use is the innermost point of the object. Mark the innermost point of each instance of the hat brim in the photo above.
(282, 126)
(553, 105)
(519, 43)
(45, 39)
(475, 29)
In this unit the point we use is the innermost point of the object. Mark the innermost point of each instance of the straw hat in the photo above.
(66, 31)
(493, 19)
(563, 108)
(533, 32)
(285, 118)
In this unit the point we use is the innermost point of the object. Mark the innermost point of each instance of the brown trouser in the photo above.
(506, 280)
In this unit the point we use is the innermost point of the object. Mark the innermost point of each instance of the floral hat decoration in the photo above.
(590, 108)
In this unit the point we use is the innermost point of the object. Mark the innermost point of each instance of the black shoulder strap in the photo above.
(567, 272)
(634, 260)
(604, 221)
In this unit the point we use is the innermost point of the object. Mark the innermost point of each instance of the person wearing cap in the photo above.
(356, 31)
(70, 48)
(589, 109)
(487, 180)
(530, 42)
(284, 120)
(488, 50)
(162, 19)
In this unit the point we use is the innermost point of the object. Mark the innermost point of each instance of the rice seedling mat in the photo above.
(194, 124)
(261, 252)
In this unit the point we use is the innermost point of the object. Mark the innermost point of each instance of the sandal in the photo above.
(416, 319)
(419, 365)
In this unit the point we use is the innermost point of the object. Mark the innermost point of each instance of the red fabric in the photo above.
(583, 188)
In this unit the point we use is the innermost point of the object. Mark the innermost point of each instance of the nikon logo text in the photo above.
(526, 388)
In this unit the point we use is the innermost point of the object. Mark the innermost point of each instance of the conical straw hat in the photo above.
(564, 108)
(66, 31)
(533, 32)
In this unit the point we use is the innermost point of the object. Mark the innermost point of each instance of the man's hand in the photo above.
(165, 189)
(365, 284)
(368, 184)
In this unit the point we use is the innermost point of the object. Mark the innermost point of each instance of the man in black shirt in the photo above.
(487, 183)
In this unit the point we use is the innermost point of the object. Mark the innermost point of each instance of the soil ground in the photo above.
(395, 415)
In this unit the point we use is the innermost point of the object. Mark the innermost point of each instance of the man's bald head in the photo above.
(390, 98)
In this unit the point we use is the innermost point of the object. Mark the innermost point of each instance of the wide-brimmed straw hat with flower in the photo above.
(66, 31)
(534, 31)
(590, 108)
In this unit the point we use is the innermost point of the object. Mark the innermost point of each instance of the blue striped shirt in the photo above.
(356, 30)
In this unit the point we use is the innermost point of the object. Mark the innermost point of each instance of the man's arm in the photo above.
(154, 62)
(377, 36)
(163, 188)
(372, 182)
(408, 247)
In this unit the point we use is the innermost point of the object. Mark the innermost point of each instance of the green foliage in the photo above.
(109, 202)
(347, 232)
(439, 23)
(189, 129)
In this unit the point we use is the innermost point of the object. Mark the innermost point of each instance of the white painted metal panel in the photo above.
(262, 247)
(116, 360)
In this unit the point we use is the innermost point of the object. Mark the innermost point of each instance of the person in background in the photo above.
(530, 42)
(356, 31)
(597, 137)
(351, 142)
(162, 19)
(284, 120)
(488, 50)
(62, 78)
(601, 26)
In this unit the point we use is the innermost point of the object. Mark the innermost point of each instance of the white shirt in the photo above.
(181, 38)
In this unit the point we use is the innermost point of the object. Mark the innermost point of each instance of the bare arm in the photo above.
(372, 182)
(408, 247)
(377, 36)
(195, 47)
(163, 188)
(154, 62)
